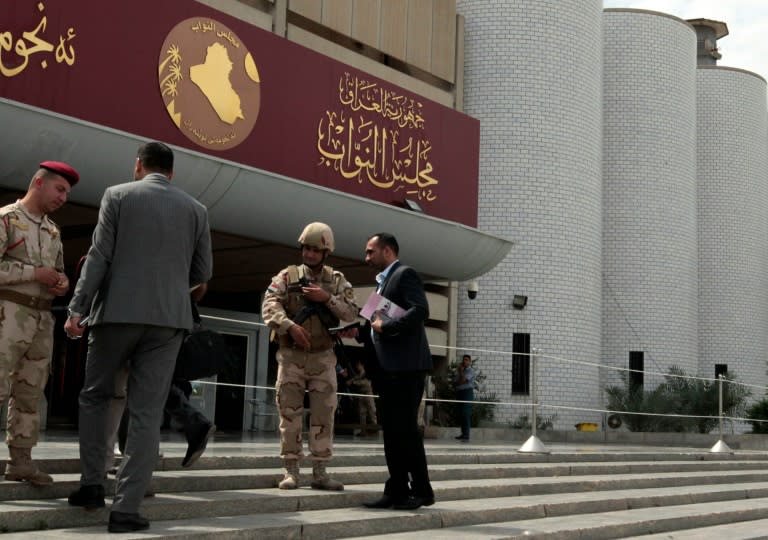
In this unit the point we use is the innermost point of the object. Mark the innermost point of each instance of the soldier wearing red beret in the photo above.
(31, 275)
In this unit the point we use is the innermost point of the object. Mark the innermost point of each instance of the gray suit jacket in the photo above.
(151, 244)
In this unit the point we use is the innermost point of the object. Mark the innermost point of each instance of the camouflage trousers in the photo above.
(26, 345)
(366, 406)
(316, 372)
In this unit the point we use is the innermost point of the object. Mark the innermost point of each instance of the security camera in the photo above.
(472, 289)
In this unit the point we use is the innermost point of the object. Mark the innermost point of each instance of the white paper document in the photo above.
(382, 307)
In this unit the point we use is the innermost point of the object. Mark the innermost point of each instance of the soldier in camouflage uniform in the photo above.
(31, 274)
(366, 407)
(302, 302)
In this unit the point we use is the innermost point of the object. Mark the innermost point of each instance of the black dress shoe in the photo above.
(126, 522)
(89, 497)
(197, 439)
(385, 502)
(412, 503)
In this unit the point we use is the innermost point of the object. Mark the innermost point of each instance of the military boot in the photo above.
(20, 468)
(321, 480)
(291, 479)
(361, 432)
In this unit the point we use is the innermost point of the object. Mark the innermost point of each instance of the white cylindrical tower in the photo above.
(650, 314)
(733, 224)
(533, 79)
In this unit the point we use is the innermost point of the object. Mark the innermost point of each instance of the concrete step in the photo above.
(734, 520)
(596, 516)
(493, 501)
(483, 491)
(373, 455)
(645, 474)
(756, 529)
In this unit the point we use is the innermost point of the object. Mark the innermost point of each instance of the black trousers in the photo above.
(400, 394)
(177, 406)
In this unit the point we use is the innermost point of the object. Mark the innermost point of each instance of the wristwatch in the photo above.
(73, 314)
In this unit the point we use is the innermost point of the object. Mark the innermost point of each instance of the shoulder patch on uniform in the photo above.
(55, 231)
(349, 294)
(15, 222)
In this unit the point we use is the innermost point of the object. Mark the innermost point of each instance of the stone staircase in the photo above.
(482, 492)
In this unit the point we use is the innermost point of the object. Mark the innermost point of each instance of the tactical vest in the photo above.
(320, 338)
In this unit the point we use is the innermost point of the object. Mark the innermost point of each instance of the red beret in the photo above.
(62, 169)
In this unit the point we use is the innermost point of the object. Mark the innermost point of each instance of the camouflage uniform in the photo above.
(314, 370)
(26, 331)
(366, 407)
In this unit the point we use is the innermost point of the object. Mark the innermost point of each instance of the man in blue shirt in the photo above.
(465, 385)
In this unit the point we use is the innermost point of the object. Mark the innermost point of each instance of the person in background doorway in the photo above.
(366, 407)
(197, 428)
(465, 392)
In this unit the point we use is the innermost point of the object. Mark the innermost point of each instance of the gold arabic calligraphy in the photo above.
(391, 153)
(31, 43)
(209, 139)
(210, 26)
(359, 94)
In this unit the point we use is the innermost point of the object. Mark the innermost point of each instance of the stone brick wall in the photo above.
(533, 74)
(650, 282)
(635, 186)
(733, 224)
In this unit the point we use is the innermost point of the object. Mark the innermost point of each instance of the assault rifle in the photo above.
(327, 317)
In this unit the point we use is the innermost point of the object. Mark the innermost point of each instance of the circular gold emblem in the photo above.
(209, 83)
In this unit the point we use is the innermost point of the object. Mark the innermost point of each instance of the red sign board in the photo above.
(186, 74)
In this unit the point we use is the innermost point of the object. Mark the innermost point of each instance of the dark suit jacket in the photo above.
(151, 244)
(402, 344)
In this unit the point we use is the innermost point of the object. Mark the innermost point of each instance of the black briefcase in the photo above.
(203, 353)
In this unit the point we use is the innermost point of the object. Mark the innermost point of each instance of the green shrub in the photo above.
(759, 411)
(676, 396)
(543, 423)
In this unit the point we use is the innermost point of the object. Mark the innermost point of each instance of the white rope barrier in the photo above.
(528, 403)
(590, 364)
(237, 321)
(507, 353)
(501, 403)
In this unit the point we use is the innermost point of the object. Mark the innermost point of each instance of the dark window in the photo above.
(721, 369)
(636, 366)
(521, 363)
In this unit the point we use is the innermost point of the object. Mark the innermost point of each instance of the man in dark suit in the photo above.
(403, 361)
(152, 243)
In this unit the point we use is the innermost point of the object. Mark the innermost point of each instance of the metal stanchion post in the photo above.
(533, 444)
(720, 446)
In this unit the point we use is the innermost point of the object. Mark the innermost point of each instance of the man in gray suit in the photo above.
(151, 245)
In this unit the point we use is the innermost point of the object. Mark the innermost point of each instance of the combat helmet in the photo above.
(317, 235)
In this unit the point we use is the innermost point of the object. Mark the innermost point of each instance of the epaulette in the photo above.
(5, 210)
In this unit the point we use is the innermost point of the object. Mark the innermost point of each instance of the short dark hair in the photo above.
(466, 356)
(385, 239)
(156, 156)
